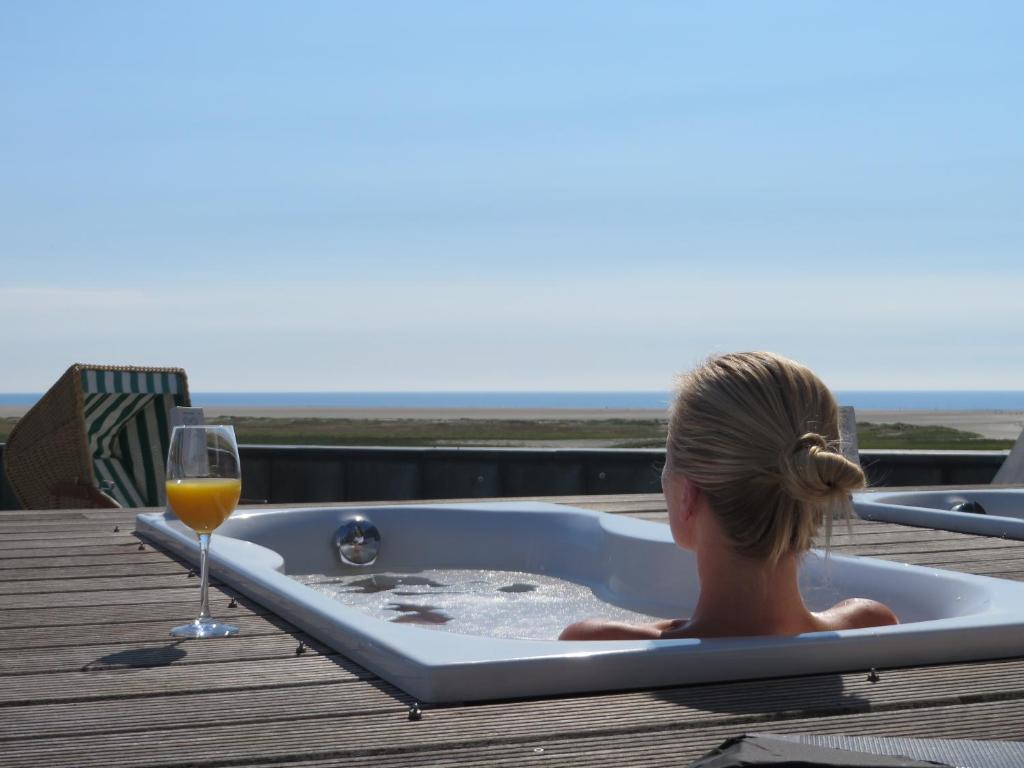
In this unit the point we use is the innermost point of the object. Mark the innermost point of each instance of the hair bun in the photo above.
(808, 441)
(815, 472)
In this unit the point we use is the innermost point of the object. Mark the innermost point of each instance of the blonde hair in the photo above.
(759, 435)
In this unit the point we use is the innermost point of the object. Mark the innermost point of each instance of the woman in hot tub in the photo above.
(753, 469)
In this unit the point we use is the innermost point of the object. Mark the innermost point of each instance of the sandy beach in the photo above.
(996, 425)
(1003, 425)
(445, 414)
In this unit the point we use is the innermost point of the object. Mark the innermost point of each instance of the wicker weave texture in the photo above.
(47, 451)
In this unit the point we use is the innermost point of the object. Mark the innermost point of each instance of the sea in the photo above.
(925, 400)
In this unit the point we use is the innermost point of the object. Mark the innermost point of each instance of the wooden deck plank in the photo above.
(955, 557)
(86, 535)
(915, 536)
(84, 635)
(37, 551)
(117, 556)
(171, 611)
(86, 525)
(967, 546)
(97, 584)
(131, 683)
(120, 595)
(66, 546)
(337, 698)
(164, 652)
(53, 515)
(155, 567)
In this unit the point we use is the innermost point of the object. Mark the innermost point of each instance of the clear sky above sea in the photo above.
(531, 195)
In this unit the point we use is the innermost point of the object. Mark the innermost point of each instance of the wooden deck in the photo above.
(89, 677)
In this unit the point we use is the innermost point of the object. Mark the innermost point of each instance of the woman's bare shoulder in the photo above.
(857, 613)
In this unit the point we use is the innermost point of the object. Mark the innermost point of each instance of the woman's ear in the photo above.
(682, 497)
(690, 497)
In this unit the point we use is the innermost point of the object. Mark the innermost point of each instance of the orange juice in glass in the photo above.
(203, 484)
(203, 503)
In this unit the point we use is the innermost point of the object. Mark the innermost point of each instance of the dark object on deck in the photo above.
(969, 506)
(966, 753)
(749, 750)
(415, 713)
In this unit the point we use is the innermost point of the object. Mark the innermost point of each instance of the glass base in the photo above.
(205, 628)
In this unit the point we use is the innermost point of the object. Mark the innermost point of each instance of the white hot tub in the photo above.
(504, 577)
(985, 511)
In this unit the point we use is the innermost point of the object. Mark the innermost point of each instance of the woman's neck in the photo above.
(746, 596)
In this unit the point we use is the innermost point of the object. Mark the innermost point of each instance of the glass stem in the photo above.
(204, 576)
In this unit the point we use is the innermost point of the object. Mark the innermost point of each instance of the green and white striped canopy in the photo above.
(126, 424)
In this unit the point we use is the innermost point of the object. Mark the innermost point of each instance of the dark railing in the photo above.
(285, 474)
(305, 473)
(888, 468)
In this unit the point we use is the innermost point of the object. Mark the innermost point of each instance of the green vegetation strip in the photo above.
(611, 433)
(444, 432)
(909, 436)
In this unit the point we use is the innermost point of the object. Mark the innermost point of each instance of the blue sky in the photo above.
(466, 195)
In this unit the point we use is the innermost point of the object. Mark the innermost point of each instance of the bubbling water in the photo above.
(502, 604)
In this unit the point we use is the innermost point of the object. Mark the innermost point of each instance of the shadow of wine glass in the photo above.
(160, 656)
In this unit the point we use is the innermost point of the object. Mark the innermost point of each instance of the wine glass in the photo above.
(204, 482)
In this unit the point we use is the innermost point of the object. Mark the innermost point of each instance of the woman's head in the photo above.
(758, 435)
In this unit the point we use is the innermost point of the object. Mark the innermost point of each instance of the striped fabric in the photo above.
(126, 424)
(130, 382)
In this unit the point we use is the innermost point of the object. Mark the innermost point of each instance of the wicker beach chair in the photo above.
(97, 438)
